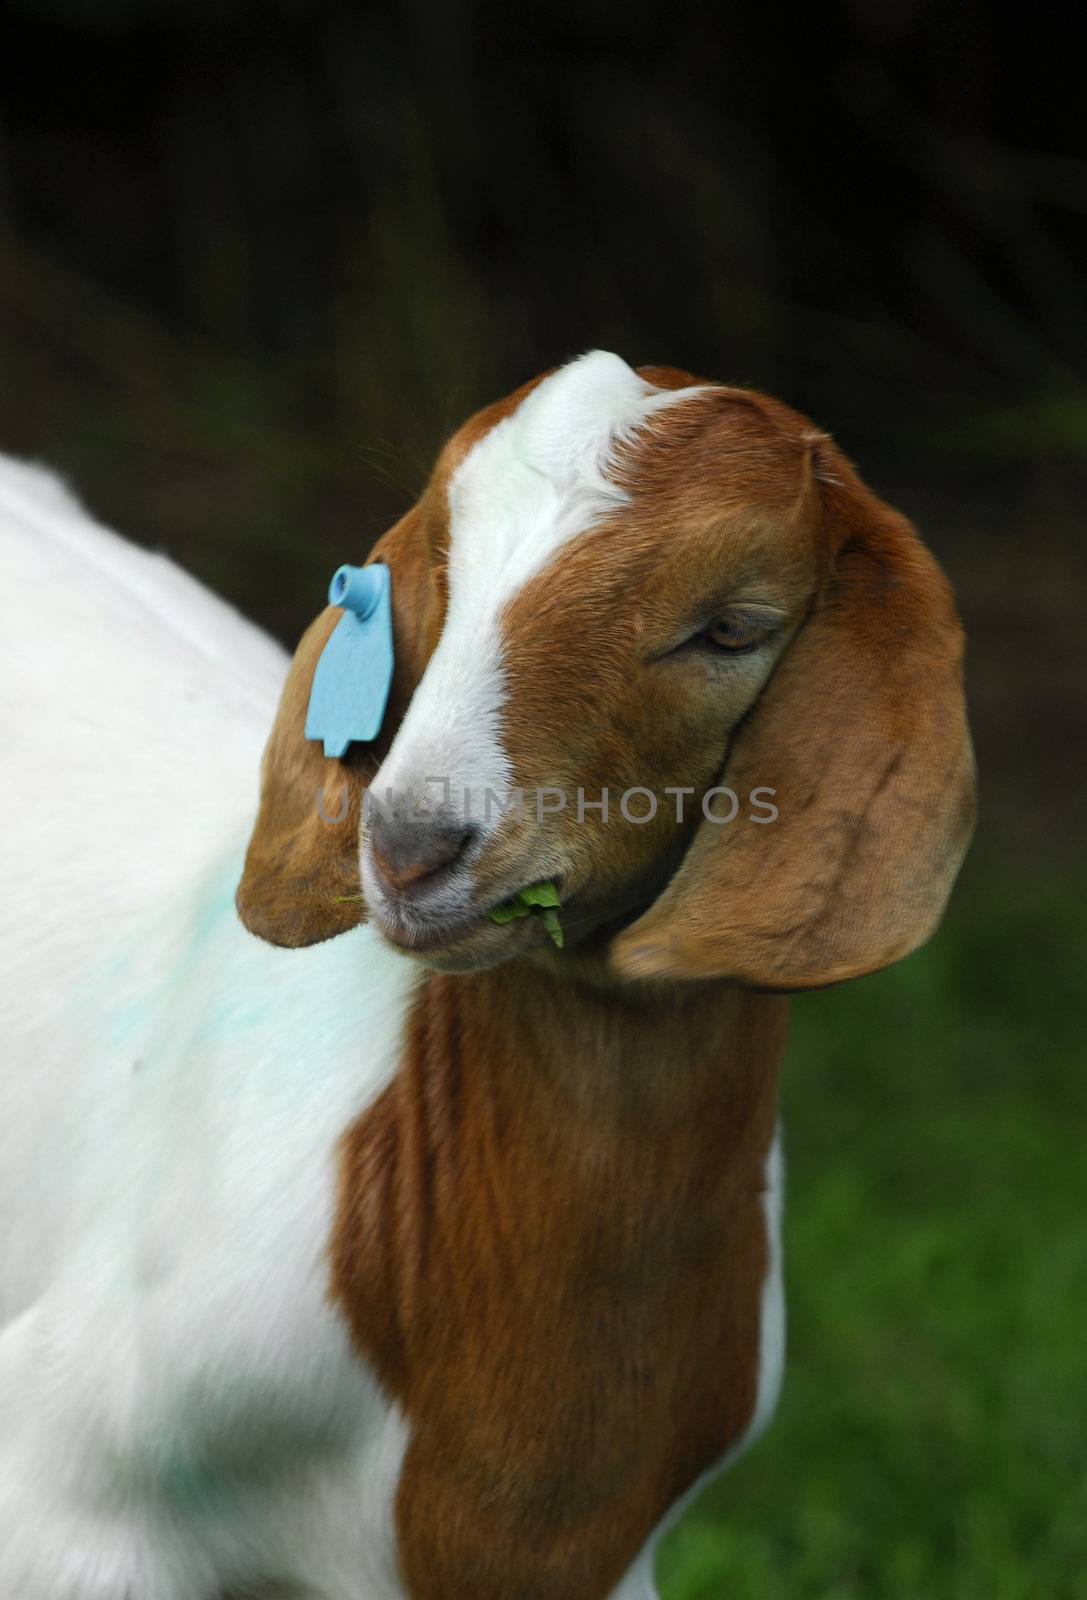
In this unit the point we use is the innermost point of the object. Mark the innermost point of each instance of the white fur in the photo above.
(179, 1406)
(772, 1323)
(526, 488)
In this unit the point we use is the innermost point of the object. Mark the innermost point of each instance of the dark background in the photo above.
(258, 259)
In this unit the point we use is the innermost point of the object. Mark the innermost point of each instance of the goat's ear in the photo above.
(301, 878)
(861, 736)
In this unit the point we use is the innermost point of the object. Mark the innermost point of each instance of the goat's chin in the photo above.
(458, 961)
(466, 947)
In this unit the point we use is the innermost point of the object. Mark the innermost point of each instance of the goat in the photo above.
(434, 1260)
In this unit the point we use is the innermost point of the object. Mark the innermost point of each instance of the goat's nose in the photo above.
(409, 850)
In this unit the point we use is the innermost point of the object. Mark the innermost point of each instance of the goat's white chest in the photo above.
(169, 1196)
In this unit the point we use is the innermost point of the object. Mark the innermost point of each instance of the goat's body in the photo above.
(182, 1411)
(166, 1172)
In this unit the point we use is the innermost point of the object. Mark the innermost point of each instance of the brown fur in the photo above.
(550, 1243)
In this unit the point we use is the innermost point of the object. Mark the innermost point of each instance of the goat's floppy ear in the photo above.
(301, 872)
(861, 734)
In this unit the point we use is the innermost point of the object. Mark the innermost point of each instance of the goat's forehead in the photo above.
(545, 473)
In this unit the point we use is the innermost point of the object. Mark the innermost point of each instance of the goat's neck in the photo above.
(552, 1246)
(591, 1096)
(603, 1065)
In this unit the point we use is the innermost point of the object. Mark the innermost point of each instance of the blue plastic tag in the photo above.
(352, 677)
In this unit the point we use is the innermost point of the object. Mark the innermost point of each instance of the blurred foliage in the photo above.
(256, 260)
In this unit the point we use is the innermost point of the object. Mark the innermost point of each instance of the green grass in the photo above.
(931, 1442)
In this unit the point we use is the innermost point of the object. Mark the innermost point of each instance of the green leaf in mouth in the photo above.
(540, 899)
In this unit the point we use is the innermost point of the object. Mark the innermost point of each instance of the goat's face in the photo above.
(618, 588)
(628, 590)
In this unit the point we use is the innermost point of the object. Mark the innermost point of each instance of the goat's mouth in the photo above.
(474, 938)
(466, 920)
(453, 931)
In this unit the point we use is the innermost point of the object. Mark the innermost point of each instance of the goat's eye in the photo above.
(735, 634)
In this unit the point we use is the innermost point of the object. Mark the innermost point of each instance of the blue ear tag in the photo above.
(352, 677)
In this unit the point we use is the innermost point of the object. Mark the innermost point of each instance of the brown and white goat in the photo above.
(436, 1261)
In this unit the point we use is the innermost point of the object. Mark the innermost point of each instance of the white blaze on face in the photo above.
(536, 480)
